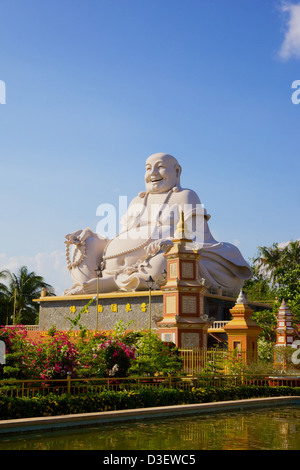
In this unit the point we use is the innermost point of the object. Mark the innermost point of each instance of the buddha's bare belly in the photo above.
(122, 253)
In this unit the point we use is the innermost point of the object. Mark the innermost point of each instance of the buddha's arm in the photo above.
(134, 277)
(79, 236)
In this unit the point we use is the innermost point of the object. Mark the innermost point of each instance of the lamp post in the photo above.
(99, 273)
(150, 284)
(15, 302)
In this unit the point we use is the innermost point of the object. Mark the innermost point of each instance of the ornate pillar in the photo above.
(285, 332)
(242, 332)
(183, 320)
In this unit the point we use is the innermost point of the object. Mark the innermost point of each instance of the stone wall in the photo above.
(135, 309)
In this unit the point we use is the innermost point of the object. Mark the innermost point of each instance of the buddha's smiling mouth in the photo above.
(156, 180)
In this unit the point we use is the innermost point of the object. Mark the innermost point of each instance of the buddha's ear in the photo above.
(178, 170)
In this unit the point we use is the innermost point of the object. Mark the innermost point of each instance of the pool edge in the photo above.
(87, 419)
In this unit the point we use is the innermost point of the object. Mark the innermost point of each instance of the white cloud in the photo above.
(51, 266)
(291, 44)
(284, 244)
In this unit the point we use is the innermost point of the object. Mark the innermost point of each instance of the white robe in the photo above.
(221, 264)
(138, 251)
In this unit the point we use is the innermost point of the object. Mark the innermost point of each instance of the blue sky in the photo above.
(94, 87)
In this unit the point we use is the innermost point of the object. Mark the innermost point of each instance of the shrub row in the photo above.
(52, 405)
(100, 355)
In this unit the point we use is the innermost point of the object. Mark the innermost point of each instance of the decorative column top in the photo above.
(241, 316)
(241, 298)
(181, 231)
(284, 310)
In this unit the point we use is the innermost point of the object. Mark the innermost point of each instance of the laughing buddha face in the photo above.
(162, 173)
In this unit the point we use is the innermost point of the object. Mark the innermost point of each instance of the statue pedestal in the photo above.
(131, 307)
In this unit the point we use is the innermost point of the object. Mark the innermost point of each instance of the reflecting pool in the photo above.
(259, 429)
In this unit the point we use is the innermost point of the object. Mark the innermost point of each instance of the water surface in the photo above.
(263, 429)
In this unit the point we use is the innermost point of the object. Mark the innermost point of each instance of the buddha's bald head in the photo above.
(162, 173)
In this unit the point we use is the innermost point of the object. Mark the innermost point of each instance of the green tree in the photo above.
(281, 265)
(267, 320)
(154, 356)
(259, 288)
(289, 288)
(291, 255)
(5, 300)
(18, 294)
(268, 260)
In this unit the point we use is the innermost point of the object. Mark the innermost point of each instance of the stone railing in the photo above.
(218, 325)
(222, 292)
(25, 327)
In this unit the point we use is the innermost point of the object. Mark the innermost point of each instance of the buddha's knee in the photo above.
(85, 258)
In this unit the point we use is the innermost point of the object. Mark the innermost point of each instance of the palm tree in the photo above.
(22, 288)
(5, 306)
(269, 260)
(291, 254)
(281, 265)
(259, 288)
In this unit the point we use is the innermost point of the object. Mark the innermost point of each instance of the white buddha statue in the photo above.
(137, 252)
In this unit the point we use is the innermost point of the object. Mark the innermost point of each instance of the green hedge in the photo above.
(53, 405)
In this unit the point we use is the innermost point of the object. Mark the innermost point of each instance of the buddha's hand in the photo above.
(157, 246)
(75, 290)
(78, 237)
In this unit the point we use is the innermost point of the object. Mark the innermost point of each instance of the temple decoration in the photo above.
(183, 322)
(242, 332)
(285, 332)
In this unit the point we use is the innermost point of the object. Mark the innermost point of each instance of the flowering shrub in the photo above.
(117, 357)
(52, 359)
(98, 356)
(58, 357)
(106, 357)
(13, 337)
(15, 347)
